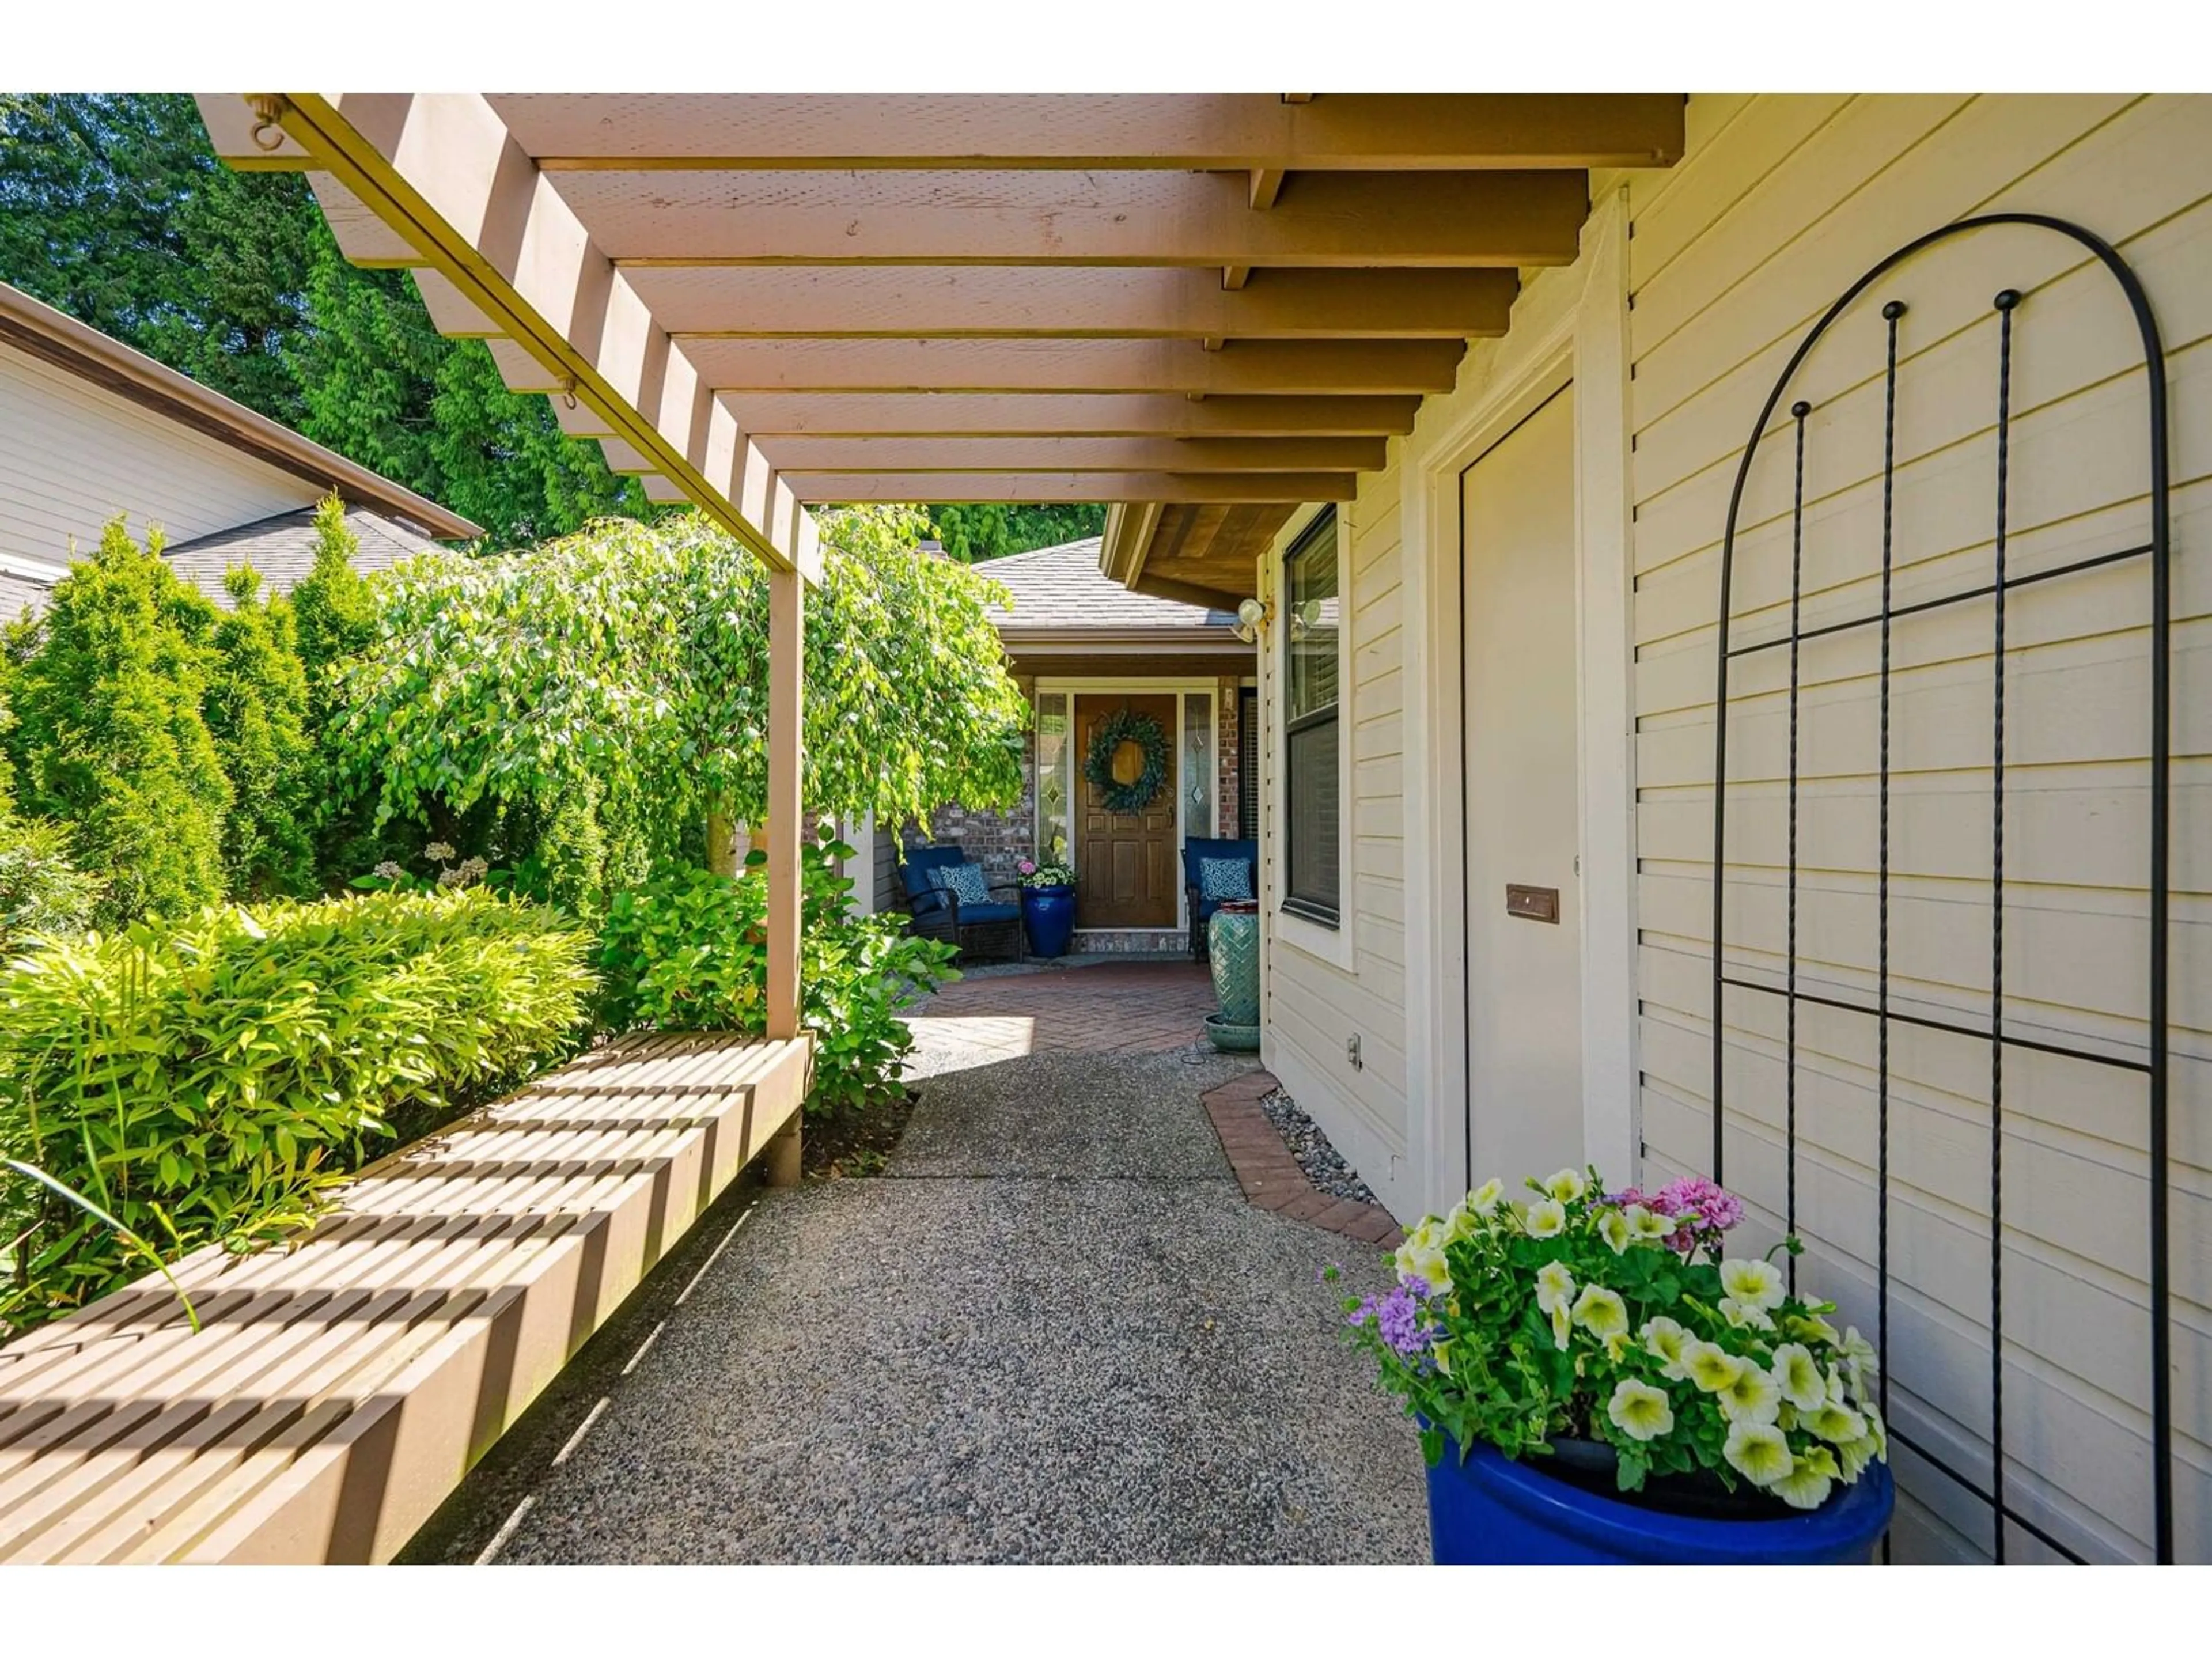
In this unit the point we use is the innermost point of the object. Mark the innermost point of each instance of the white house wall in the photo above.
(1779, 205)
(72, 456)
(1321, 992)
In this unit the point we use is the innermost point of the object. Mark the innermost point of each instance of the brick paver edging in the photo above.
(1271, 1177)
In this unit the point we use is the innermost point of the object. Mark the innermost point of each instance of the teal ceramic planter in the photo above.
(1233, 941)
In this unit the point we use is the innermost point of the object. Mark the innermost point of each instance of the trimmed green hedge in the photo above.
(211, 1079)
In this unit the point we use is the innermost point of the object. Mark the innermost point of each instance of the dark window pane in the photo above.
(1311, 658)
(1313, 814)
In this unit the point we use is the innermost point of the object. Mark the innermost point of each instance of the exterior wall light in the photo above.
(1251, 620)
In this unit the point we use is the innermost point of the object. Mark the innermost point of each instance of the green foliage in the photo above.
(111, 740)
(40, 891)
(687, 952)
(256, 712)
(990, 530)
(1620, 1319)
(631, 660)
(115, 208)
(211, 1079)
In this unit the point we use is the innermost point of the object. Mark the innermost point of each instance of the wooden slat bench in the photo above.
(338, 1391)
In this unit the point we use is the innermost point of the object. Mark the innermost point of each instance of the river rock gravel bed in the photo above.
(1323, 1165)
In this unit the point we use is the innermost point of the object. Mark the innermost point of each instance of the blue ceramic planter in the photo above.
(1493, 1511)
(1048, 916)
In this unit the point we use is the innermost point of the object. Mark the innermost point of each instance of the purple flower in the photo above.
(1398, 1321)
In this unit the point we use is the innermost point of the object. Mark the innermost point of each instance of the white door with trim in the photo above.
(1523, 922)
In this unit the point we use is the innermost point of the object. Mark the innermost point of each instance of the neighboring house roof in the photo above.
(55, 338)
(1061, 596)
(282, 549)
(19, 594)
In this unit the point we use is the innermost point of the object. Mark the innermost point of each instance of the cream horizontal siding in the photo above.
(1314, 1003)
(1779, 205)
(72, 456)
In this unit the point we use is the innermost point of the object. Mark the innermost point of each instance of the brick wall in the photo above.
(1226, 746)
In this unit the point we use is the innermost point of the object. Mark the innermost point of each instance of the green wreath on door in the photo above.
(1106, 740)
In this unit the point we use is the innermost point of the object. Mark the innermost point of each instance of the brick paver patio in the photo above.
(1120, 1007)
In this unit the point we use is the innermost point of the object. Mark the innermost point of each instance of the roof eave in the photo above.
(56, 338)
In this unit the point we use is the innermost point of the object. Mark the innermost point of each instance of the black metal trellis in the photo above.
(2155, 551)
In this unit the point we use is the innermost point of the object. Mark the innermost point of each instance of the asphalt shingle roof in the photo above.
(282, 549)
(1063, 588)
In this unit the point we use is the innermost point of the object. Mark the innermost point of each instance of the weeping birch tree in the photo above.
(614, 685)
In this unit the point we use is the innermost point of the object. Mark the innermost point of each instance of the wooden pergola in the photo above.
(1204, 309)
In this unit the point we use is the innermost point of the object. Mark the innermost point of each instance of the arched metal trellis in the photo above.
(2152, 1063)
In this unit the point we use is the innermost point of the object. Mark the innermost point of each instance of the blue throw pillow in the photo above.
(1224, 878)
(963, 881)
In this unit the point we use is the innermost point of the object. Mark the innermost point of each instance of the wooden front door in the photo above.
(1126, 865)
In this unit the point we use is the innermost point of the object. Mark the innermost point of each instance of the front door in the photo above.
(1524, 949)
(1125, 862)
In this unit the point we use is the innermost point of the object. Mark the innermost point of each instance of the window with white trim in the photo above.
(1312, 781)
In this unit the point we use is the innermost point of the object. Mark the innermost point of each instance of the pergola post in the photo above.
(787, 618)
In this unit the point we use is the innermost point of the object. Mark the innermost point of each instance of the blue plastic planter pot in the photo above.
(1049, 915)
(1493, 1511)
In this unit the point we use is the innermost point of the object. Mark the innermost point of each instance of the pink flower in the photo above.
(1027, 867)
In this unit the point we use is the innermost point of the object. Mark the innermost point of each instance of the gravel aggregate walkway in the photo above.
(1054, 1331)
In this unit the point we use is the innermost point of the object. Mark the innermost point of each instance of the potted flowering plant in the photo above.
(1047, 901)
(1598, 1380)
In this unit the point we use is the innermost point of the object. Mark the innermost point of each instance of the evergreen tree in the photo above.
(115, 208)
(976, 531)
(333, 616)
(114, 745)
(256, 712)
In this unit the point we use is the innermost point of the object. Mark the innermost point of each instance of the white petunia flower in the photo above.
(1483, 1200)
(1442, 1354)
(1546, 1219)
(1744, 1315)
(1810, 1479)
(1555, 1287)
(1413, 1262)
(1647, 1226)
(1563, 1324)
(1759, 1452)
(1861, 1361)
(1753, 1397)
(1566, 1185)
(1856, 1455)
(1836, 1424)
(1811, 1327)
(1601, 1312)
(1640, 1411)
(1617, 1347)
(1756, 1283)
(1710, 1367)
(1613, 1227)
(1800, 1377)
(1662, 1339)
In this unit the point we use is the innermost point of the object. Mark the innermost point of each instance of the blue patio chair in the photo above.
(995, 927)
(1208, 881)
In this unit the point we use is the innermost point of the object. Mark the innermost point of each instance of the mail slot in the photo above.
(1532, 903)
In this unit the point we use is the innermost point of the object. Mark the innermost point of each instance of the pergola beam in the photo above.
(1307, 366)
(985, 415)
(1055, 218)
(441, 171)
(1361, 132)
(1288, 487)
(794, 455)
(908, 301)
